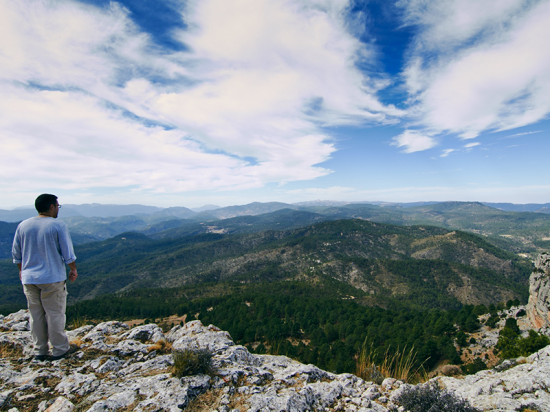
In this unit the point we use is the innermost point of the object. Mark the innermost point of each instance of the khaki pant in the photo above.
(47, 304)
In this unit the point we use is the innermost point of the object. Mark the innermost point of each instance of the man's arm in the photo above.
(73, 274)
(16, 251)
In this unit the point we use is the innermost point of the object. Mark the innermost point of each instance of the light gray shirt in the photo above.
(42, 245)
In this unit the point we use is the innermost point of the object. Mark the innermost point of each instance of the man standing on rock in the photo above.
(41, 248)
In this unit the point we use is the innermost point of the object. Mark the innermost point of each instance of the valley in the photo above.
(312, 282)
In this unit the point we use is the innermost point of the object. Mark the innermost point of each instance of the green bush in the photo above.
(511, 323)
(511, 345)
(474, 367)
(431, 398)
(492, 321)
(192, 362)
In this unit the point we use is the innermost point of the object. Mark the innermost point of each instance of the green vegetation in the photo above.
(512, 345)
(474, 367)
(420, 267)
(190, 362)
(316, 324)
(353, 295)
(431, 398)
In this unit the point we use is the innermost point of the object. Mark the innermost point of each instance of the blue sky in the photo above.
(185, 103)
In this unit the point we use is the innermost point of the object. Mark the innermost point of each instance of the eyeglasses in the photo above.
(59, 206)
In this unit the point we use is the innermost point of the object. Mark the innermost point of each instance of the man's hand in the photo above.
(19, 266)
(73, 274)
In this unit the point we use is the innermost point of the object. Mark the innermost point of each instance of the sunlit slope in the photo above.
(378, 260)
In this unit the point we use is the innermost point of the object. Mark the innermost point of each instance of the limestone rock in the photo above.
(538, 308)
(115, 371)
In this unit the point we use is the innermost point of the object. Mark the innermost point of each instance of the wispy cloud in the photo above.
(521, 134)
(84, 89)
(414, 141)
(447, 152)
(324, 192)
(478, 66)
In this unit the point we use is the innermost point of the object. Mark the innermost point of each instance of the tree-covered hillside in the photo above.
(313, 323)
(421, 266)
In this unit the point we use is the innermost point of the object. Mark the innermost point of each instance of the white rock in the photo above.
(79, 383)
(61, 404)
(145, 333)
(114, 402)
(129, 347)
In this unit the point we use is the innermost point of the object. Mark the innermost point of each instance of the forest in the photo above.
(310, 323)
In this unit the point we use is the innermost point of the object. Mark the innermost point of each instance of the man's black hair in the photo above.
(43, 202)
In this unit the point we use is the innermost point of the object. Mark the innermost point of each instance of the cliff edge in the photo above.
(119, 368)
(538, 308)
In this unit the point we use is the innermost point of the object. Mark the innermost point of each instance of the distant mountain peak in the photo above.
(205, 208)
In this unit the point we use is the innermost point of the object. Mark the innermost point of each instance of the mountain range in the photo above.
(107, 211)
(429, 254)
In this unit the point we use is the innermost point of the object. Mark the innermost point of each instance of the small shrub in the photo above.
(192, 362)
(474, 367)
(512, 323)
(450, 370)
(492, 321)
(530, 408)
(461, 339)
(431, 398)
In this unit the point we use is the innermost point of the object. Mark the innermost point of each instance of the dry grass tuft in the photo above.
(161, 346)
(207, 401)
(8, 350)
(78, 342)
(399, 366)
(239, 402)
(78, 322)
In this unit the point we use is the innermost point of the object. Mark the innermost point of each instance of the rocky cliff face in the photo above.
(538, 308)
(119, 369)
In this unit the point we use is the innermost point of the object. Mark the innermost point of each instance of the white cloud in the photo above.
(243, 107)
(479, 66)
(521, 134)
(414, 141)
(324, 192)
(464, 193)
(470, 145)
(447, 152)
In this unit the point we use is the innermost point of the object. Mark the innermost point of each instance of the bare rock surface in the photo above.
(538, 308)
(119, 368)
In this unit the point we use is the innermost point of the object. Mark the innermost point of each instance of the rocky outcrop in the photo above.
(538, 308)
(122, 368)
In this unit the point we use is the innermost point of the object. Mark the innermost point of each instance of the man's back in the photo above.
(43, 246)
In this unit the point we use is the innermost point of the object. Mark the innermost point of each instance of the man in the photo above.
(41, 248)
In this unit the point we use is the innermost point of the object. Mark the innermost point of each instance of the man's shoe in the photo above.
(72, 349)
(40, 358)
